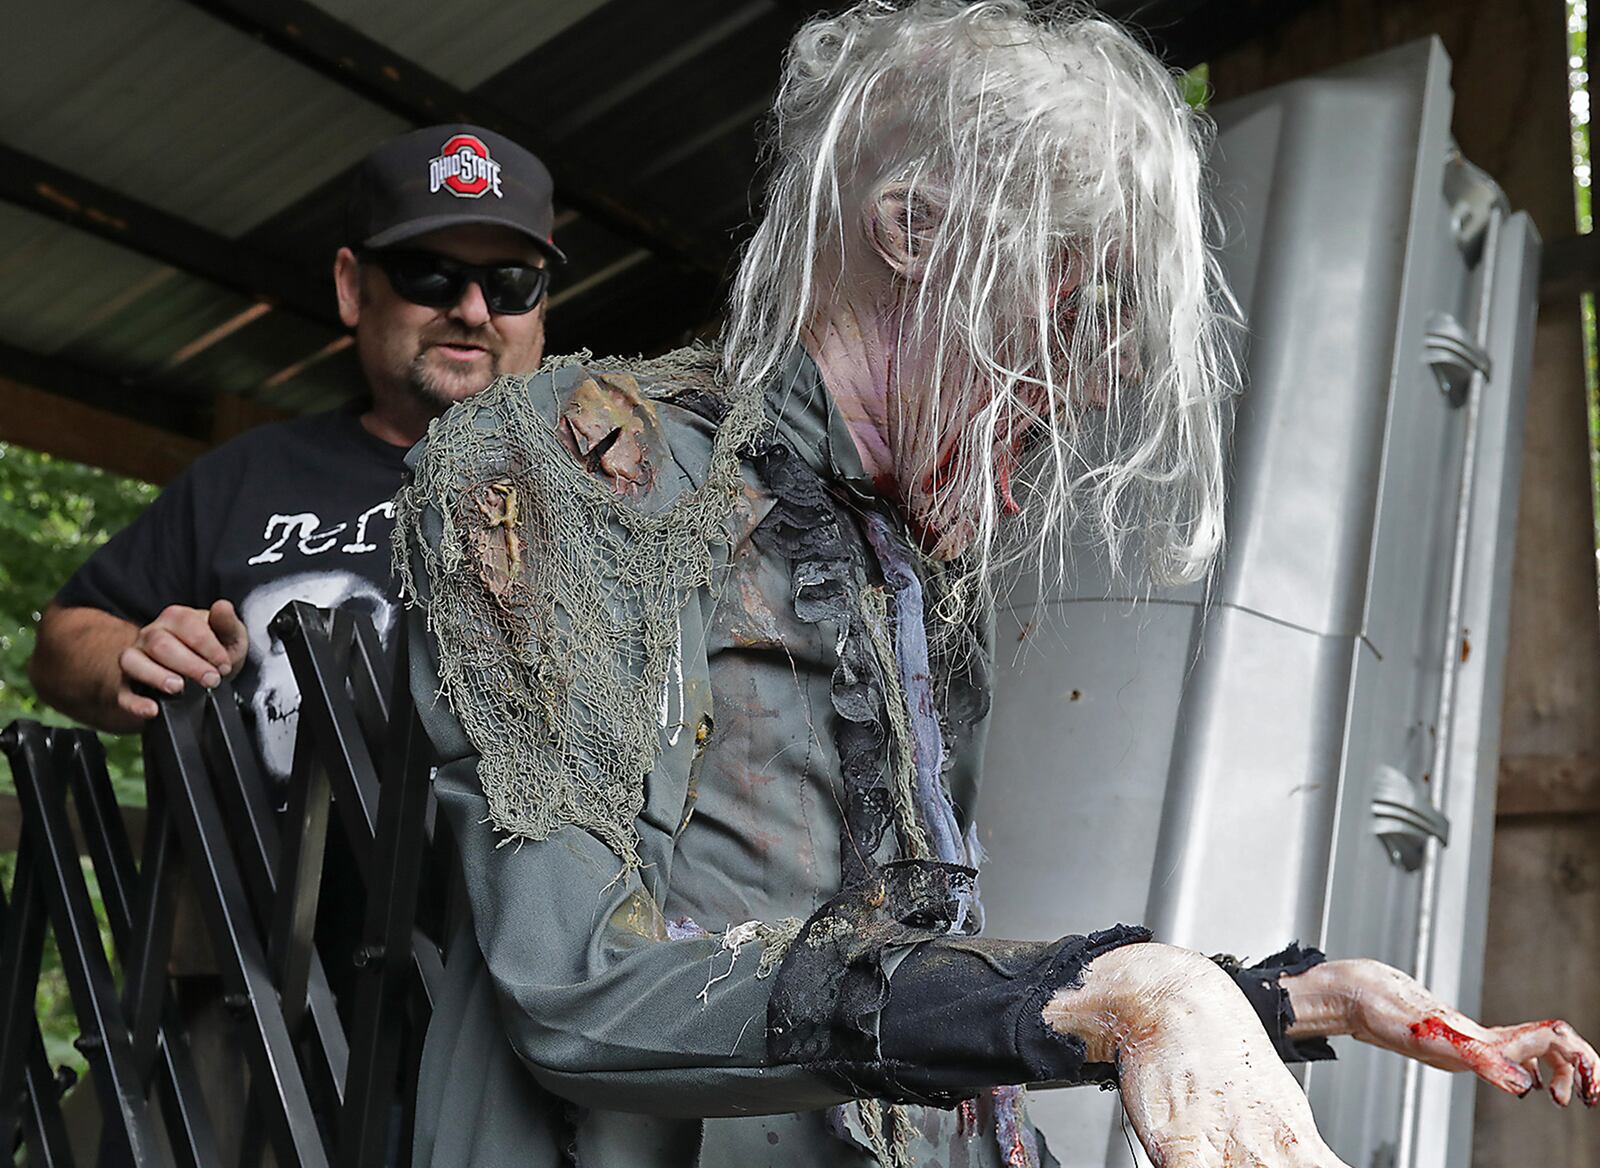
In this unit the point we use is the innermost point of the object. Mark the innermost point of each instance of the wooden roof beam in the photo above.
(178, 413)
(73, 413)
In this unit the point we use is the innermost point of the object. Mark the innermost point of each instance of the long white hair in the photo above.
(1051, 177)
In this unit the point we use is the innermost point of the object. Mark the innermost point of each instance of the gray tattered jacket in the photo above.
(666, 1012)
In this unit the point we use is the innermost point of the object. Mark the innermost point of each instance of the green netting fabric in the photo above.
(554, 601)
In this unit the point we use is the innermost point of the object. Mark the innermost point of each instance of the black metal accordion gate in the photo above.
(331, 1079)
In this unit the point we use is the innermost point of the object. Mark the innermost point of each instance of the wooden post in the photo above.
(1511, 118)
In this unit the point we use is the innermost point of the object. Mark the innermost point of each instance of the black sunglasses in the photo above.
(436, 281)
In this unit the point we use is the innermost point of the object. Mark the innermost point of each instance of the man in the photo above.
(709, 632)
(443, 281)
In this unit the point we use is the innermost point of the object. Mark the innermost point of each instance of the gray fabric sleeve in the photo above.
(600, 1011)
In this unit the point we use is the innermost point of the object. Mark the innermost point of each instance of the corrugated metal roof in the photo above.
(136, 342)
(157, 100)
(53, 280)
(465, 41)
(243, 364)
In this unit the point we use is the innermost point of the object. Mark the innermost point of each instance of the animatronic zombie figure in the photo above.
(709, 633)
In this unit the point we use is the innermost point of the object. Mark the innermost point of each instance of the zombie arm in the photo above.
(1199, 1080)
(1193, 1069)
(1380, 1005)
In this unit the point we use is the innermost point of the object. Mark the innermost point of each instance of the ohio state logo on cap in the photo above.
(465, 169)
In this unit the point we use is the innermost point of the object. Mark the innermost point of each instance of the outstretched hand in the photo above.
(1378, 1004)
(1201, 1083)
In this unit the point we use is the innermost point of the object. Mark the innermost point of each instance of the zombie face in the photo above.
(267, 686)
(1015, 201)
(953, 450)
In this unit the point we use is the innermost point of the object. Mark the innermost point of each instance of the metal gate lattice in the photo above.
(331, 1078)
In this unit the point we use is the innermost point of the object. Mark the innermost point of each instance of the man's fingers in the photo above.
(204, 645)
(179, 632)
(167, 650)
(229, 630)
(137, 666)
(136, 704)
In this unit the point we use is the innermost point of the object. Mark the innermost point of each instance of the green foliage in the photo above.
(1195, 85)
(53, 513)
(1578, 90)
(1583, 206)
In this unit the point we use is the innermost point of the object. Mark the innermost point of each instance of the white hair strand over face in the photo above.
(1051, 179)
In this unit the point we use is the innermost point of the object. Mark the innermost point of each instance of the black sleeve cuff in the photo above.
(963, 1014)
(1261, 985)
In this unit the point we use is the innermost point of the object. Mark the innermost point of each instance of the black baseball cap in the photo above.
(444, 176)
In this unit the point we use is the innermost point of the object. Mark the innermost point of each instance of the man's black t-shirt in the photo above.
(299, 510)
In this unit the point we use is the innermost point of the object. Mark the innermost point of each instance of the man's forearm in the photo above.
(75, 666)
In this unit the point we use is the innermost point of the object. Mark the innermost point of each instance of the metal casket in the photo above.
(1308, 750)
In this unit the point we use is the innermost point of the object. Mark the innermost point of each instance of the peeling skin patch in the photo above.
(499, 545)
(603, 427)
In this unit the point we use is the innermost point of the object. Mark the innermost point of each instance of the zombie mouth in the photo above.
(1008, 504)
(1007, 457)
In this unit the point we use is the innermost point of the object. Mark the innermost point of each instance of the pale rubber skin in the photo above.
(1378, 1004)
(1203, 1086)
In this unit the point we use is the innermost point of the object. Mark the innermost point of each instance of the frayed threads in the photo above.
(775, 941)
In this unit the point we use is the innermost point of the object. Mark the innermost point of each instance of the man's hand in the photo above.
(86, 661)
(1378, 1004)
(204, 645)
(1201, 1083)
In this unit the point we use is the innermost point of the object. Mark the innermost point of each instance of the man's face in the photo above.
(439, 356)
